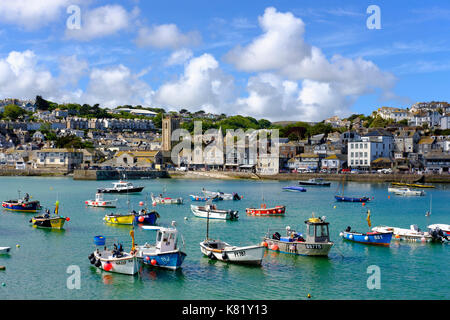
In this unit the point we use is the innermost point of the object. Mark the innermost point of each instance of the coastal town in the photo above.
(41, 137)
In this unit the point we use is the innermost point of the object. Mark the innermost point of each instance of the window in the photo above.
(351, 154)
(365, 154)
(321, 231)
(365, 145)
(356, 146)
(365, 161)
(360, 145)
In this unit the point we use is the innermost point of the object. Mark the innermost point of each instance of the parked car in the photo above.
(181, 169)
(385, 170)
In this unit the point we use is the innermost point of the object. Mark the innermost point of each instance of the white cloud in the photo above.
(32, 14)
(72, 69)
(202, 85)
(166, 36)
(179, 57)
(102, 21)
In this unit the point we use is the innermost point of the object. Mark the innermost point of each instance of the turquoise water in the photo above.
(37, 269)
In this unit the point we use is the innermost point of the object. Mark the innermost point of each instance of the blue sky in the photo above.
(280, 60)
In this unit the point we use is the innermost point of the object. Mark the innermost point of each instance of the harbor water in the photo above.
(41, 263)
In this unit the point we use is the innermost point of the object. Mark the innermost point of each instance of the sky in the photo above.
(278, 60)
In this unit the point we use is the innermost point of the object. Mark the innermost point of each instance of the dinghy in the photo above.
(115, 259)
(165, 253)
(166, 200)
(203, 199)
(294, 189)
(223, 196)
(315, 182)
(214, 213)
(317, 242)
(342, 198)
(264, 211)
(409, 192)
(445, 228)
(413, 234)
(101, 202)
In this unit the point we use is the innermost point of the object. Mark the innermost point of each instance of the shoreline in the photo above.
(230, 175)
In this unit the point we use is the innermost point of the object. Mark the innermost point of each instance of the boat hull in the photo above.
(5, 250)
(101, 204)
(350, 199)
(294, 189)
(375, 238)
(127, 265)
(117, 219)
(31, 206)
(129, 190)
(168, 260)
(204, 199)
(214, 214)
(167, 200)
(147, 219)
(414, 185)
(54, 223)
(299, 248)
(277, 211)
(251, 255)
(408, 235)
(318, 184)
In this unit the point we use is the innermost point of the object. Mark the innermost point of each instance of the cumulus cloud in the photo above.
(202, 85)
(328, 86)
(179, 57)
(166, 36)
(32, 14)
(102, 21)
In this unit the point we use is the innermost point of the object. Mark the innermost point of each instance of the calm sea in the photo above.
(37, 268)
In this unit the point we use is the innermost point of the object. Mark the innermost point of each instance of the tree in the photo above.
(41, 104)
(13, 112)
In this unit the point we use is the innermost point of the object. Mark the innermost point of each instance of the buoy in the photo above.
(67, 219)
(275, 247)
(341, 234)
(2, 268)
(363, 204)
(264, 244)
(334, 207)
(147, 258)
(107, 266)
(153, 262)
(389, 197)
(366, 238)
(185, 218)
(141, 219)
(3, 284)
(423, 239)
(309, 296)
(141, 203)
(154, 204)
(18, 245)
(350, 236)
(397, 236)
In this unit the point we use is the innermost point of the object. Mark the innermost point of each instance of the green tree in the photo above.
(13, 112)
(41, 104)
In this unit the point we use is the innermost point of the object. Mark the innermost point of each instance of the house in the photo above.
(376, 144)
(334, 162)
(426, 145)
(143, 159)
(428, 118)
(445, 122)
(406, 141)
(63, 159)
(437, 162)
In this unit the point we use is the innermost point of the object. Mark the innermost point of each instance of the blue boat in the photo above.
(24, 204)
(163, 254)
(146, 218)
(351, 199)
(204, 199)
(294, 188)
(373, 238)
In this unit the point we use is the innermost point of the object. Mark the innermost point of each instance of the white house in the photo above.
(376, 144)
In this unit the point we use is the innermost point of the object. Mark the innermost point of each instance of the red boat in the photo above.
(264, 211)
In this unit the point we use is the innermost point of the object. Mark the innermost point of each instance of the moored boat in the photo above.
(47, 220)
(214, 212)
(264, 211)
(222, 195)
(317, 242)
(5, 250)
(112, 218)
(22, 204)
(294, 189)
(221, 250)
(166, 200)
(204, 199)
(101, 202)
(408, 192)
(121, 187)
(115, 259)
(144, 217)
(413, 234)
(445, 228)
(315, 182)
(165, 252)
(351, 199)
(412, 185)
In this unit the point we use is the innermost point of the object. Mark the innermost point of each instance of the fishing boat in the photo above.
(144, 217)
(315, 182)
(121, 187)
(204, 199)
(101, 202)
(294, 189)
(342, 198)
(22, 204)
(166, 200)
(412, 185)
(5, 250)
(224, 196)
(413, 234)
(317, 242)
(214, 212)
(409, 192)
(115, 259)
(216, 249)
(264, 211)
(165, 253)
(112, 218)
(380, 238)
(445, 228)
(47, 220)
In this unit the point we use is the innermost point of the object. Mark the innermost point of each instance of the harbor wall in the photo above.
(116, 175)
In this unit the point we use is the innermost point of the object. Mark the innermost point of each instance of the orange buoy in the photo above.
(153, 262)
(264, 244)
(275, 247)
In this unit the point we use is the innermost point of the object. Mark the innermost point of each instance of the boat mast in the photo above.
(208, 203)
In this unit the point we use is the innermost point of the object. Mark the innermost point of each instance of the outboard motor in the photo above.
(276, 236)
(236, 196)
(348, 229)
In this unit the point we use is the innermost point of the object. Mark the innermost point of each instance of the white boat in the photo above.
(5, 250)
(222, 195)
(394, 189)
(115, 259)
(101, 202)
(409, 192)
(214, 213)
(166, 200)
(445, 228)
(220, 250)
(121, 187)
(165, 253)
(413, 234)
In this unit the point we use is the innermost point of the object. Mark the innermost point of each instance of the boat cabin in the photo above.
(122, 185)
(166, 239)
(317, 230)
